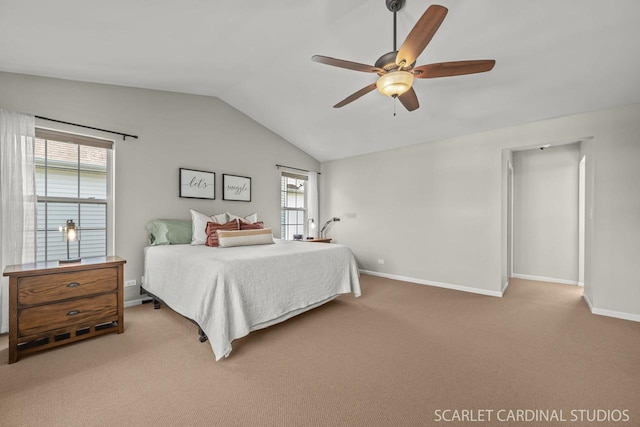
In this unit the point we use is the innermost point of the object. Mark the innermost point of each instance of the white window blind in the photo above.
(73, 175)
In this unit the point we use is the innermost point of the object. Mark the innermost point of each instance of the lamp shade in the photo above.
(71, 231)
(395, 83)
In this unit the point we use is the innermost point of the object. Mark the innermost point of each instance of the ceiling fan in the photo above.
(396, 69)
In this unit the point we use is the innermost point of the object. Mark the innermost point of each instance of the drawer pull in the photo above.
(73, 312)
(73, 285)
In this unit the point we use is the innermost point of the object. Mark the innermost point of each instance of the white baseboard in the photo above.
(436, 284)
(134, 302)
(611, 313)
(594, 310)
(581, 284)
(504, 287)
(616, 314)
(544, 279)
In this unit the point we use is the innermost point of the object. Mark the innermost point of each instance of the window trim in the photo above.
(48, 134)
(301, 176)
(76, 138)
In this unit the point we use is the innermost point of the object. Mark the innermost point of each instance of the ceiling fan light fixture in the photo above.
(394, 83)
(396, 69)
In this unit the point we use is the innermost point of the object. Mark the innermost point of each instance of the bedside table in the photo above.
(318, 240)
(53, 304)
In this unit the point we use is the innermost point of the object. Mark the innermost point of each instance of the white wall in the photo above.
(582, 190)
(546, 213)
(176, 130)
(432, 211)
(436, 212)
(507, 219)
(615, 258)
(587, 152)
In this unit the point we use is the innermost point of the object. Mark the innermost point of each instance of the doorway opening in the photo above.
(545, 213)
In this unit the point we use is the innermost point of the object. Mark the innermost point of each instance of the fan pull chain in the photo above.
(394, 105)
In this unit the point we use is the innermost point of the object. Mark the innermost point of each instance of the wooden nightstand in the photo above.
(52, 305)
(319, 240)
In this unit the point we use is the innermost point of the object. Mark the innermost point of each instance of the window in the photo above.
(293, 205)
(73, 181)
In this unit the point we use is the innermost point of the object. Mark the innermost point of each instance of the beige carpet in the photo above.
(397, 356)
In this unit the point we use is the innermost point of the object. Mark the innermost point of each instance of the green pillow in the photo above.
(169, 231)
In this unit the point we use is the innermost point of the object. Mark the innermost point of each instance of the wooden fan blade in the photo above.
(410, 100)
(421, 34)
(346, 64)
(455, 68)
(353, 97)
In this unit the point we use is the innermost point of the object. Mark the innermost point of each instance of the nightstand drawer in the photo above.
(55, 287)
(50, 317)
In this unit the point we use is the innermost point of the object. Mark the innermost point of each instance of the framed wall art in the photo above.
(237, 188)
(195, 184)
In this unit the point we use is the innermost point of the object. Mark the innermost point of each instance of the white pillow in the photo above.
(228, 238)
(251, 218)
(199, 225)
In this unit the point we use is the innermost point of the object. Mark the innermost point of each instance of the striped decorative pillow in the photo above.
(230, 239)
(213, 227)
(249, 226)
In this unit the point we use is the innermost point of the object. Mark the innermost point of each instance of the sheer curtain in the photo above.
(312, 203)
(17, 198)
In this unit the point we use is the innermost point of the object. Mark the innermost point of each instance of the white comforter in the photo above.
(230, 292)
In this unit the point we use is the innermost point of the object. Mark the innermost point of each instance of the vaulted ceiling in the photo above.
(553, 58)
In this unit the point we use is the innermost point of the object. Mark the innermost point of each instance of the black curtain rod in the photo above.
(124, 135)
(291, 167)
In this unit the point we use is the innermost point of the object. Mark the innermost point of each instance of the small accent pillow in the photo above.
(213, 228)
(249, 218)
(229, 239)
(248, 226)
(169, 232)
(199, 225)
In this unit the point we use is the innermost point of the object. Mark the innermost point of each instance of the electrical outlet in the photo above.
(129, 283)
(380, 261)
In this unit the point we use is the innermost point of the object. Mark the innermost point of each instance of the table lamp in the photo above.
(326, 224)
(70, 233)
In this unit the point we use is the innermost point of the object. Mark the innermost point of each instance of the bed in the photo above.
(232, 291)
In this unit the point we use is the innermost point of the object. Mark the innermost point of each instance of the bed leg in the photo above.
(203, 336)
(156, 304)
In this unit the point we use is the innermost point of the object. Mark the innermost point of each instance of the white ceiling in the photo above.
(553, 58)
